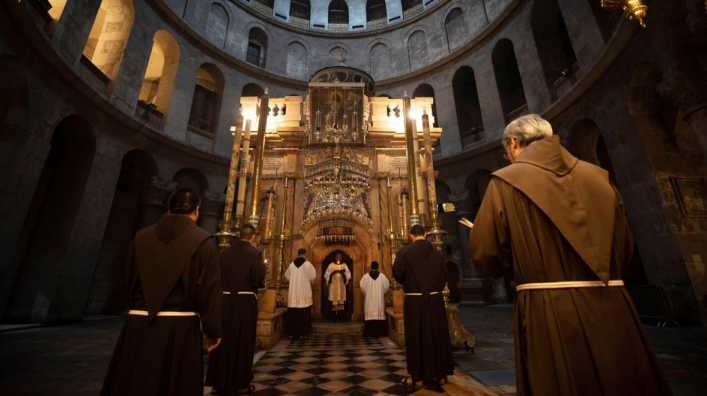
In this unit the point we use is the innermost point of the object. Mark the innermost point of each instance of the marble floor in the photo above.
(72, 359)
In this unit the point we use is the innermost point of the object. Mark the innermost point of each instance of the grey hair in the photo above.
(527, 129)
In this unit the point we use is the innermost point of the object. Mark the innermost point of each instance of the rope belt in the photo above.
(423, 294)
(568, 285)
(242, 293)
(139, 312)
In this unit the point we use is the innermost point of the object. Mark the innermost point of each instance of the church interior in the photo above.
(333, 126)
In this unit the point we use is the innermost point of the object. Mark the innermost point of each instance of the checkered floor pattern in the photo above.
(331, 363)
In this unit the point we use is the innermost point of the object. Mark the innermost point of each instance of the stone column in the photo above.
(74, 26)
(179, 109)
(125, 87)
(537, 92)
(489, 98)
(583, 30)
(210, 211)
(450, 142)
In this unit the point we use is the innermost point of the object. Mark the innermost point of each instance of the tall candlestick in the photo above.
(259, 155)
(436, 234)
(411, 161)
(243, 174)
(226, 233)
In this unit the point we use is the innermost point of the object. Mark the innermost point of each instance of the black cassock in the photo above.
(422, 271)
(173, 267)
(231, 364)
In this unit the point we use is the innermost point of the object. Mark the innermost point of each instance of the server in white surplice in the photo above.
(374, 285)
(300, 274)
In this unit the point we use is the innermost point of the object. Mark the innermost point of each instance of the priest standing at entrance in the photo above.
(174, 291)
(422, 272)
(301, 274)
(337, 276)
(374, 285)
(230, 369)
(563, 225)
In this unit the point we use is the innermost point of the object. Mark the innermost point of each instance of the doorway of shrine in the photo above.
(326, 305)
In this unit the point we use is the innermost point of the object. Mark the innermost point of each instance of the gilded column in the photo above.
(243, 174)
(263, 112)
(411, 161)
(226, 233)
(437, 235)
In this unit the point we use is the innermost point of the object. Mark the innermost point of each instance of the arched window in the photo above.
(375, 10)
(158, 83)
(109, 36)
(466, 99)
(554, 45)
(300, 9)
(57, 8)
(338, 13)
(508, 80)
(257, 47)
(426, 91)
(380, 61)
(455, 28)
(297, 61)
(217, 25)
(252, 90)
(417, 49)
(408, 4)
(206, 103)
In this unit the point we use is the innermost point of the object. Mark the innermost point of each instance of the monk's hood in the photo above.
(576, 196)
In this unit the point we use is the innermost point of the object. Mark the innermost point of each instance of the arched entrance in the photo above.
(326, 310)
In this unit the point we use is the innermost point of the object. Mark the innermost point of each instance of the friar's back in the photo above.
(422, 268)
(242, 267)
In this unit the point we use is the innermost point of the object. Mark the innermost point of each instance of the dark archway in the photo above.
(206, 103)
(466, 99)
(338, 12)
(300, 9)
(326, 305)
(508, 80)
(252, 90)
(408, 4)
(376, 10)
(46, 234)
(125, 219)
(607, 21)
(555, 49)
(426, 91)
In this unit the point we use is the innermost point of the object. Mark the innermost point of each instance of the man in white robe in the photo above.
(374, 285)
(301, 275)
(337, 276)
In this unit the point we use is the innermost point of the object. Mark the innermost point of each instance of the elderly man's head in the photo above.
(523, 131)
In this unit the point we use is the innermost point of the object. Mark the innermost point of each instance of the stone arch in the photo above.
(417, 49)
(217, 24)
(508, 80)
(206, 102)
(455, 28)
(552, 39)
(109, 36)
(301, 9)
(607, 21)
(297, 60)
(338, 12)
(583, 140)
(57, 9)
(257, 51)
(380, 59)
(158, 82)
(426, 90)
(468, 106)
(339, 52)
(126, 217)
(46, 234)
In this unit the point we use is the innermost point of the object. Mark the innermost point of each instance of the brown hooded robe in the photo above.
(420, 268)
(231, 364)
(560, 219)
(173, 267)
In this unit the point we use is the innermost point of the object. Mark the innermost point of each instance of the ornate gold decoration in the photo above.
(226, 233)
(634, 10)
(410, 135)
(263, 112)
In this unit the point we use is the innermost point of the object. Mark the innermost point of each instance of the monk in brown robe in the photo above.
(174, 290)
(560, 220)
(422, 271)
(230, 368)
